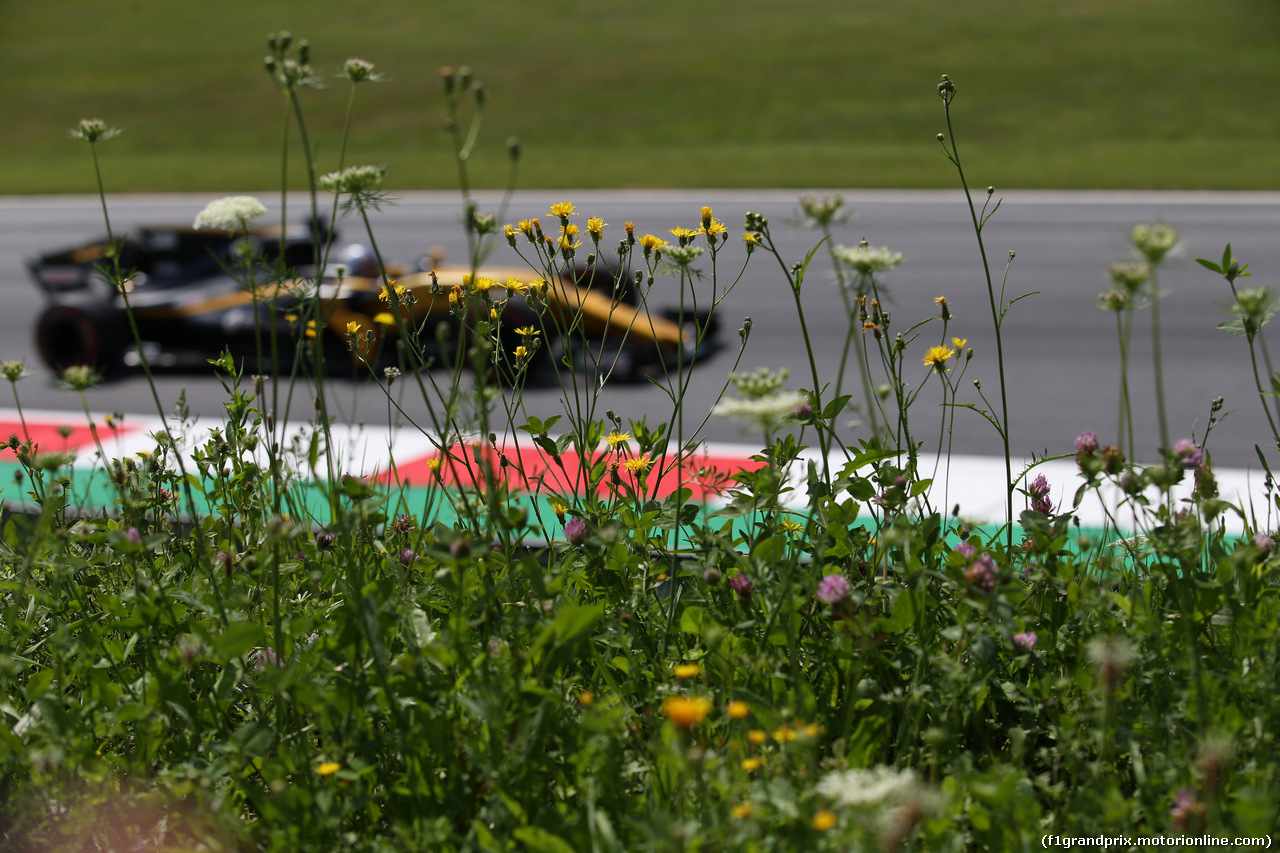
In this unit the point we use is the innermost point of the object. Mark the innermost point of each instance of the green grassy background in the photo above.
(757, 93)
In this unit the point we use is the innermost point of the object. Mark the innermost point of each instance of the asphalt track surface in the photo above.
(1061, 353)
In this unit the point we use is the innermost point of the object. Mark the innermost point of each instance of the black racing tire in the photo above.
(75, 332)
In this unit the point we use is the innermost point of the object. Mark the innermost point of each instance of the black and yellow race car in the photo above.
(189, 308)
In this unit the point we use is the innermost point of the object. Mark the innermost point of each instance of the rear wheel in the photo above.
(82, 332)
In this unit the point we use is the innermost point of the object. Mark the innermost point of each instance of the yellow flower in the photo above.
(790, 527)
(526, 228)
(630, 228)
(638, 463)
(435, 463)
(615, 438)
(527, 331)
(706, 216)
(586, 697)
(596, 226)
(569, 229)
(959, 343)
(328, 768)
(493, 313)
(292, 318)
(454, 294)
(509, 230)
(684, 233)
(742, 810)
(651, 243)
(563, 209)
(738, 710)
(382, 318)
(813, 730)
(824, 820)
(400, 290)
(752, 764)
(687, 670)
(352, 328)
(685, 712)
(558, 506)
(515, 285)
(713, 228)
(311, 328)
(567, 244)
(757, 737)
(481, 282)
(750, 240)
(520, 352)
(784, 734)
(937, 358)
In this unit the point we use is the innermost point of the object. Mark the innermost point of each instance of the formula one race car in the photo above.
(188, 308)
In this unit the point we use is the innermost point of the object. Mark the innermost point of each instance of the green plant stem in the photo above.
(1157, 358)
(996, 321)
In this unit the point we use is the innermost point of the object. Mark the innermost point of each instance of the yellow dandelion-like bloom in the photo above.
(328, 768)
(353, 327)
(596, 226)
(825, 819)
(937, 358)
(483, 282)
(567, 244)
(752, 764)
(638, 463)
(743, 810)
(558, 506)
(586, 697)
(959, 343)
(687, 670)
(706, 215)
(651, 243)
(684, 233)
(615, 438)
(685, 712)
(521, 352)
(784, 734)
(291, 318)
(563, 209)
(311, 329)
(756, 737)
(812, 730)
(526, 228)
(493, 314)
(737, 710)
(515, 285)
(790, 527)
(750, 239)
(569, 229)
(527, 331)
(400, 290)
(713, 228)
(435, 463)
(454, 294)
(629, 227)
(509, 230)
(382, 318)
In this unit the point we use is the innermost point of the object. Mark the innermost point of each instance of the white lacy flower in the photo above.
(866, 787)
(770, 409)
(354, 180)
(231, 213)
(867, 260)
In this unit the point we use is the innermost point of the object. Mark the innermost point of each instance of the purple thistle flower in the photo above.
(575, 530)
(804, 411)
(1191, 455)
(741, 584)
(324, 541)
(1026, 640)
(1086, 442)
(966, 550)
(833, 589)
(982, 573)
(1262, 541)
(407, 556)
(132, 536)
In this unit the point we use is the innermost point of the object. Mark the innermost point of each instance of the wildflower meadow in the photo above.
(572, 634)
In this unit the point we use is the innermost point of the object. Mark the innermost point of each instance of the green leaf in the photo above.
(836, 406)
(237, 639)
(691, 620)
(575, 621)
(537, 839)
(1210, 265)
